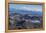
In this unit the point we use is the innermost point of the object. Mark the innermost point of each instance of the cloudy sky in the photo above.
(26, 7)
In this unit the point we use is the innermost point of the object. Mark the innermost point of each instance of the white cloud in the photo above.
(30, 9)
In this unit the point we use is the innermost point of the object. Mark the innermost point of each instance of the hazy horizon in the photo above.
(25, 8)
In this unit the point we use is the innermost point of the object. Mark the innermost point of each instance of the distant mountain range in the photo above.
(12, 11)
